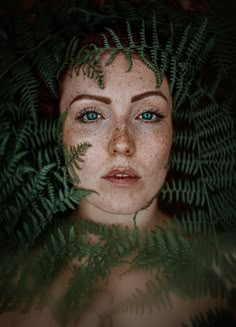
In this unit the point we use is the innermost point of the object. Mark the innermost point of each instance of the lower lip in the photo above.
(122, 181)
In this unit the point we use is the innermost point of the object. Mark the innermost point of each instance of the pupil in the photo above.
(91, 115)
(147, 115)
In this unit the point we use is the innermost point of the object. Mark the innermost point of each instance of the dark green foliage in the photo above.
(216, 318)
(72, 157)
(38, 173)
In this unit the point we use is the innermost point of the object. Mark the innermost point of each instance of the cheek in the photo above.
(70, 133)
(68, 138)
(157, 149)
(165, 145)
(76, 133)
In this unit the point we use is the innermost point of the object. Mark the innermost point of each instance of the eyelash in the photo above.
(84, 112)
(159, 115)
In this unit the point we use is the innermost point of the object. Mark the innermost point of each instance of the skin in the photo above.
(121, 136)
(118, 139)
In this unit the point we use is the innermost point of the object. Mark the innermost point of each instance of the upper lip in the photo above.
(128, 171)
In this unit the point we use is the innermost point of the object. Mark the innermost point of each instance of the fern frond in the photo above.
(216, 317)
(201, 59)
(173, 72)
(215, 182)
(187, 192)
(170, 42)
(73, 157)
(193, 222)
(155, 40)
(111, 57)
(184, 162)
(212, 150)
(142, 35)
(105, 41)
(213, 125)
(198, 39)
(152, 66)
(142, 301)
(117, 41)
(183, 41)
(9, 171)
(164, 58)
(70, 53)
(131, 41)
(46, 69)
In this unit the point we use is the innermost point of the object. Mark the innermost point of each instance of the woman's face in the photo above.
(129, 125)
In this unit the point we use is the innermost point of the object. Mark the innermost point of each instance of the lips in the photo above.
(122, 173)
(122, 177)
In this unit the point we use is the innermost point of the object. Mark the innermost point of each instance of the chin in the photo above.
(120, 211)
(119, 207)
(118, 204)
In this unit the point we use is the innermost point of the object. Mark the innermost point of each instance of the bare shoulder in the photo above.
(34, 318)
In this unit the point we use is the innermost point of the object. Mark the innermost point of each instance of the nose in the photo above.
(121, 142)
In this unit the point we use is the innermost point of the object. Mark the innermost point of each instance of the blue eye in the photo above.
(88, 116)
(147, 115)
(151, 116)
(92, 115)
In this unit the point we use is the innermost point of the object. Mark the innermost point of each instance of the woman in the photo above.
(128, 124)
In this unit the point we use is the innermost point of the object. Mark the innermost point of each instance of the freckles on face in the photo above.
(128, 124)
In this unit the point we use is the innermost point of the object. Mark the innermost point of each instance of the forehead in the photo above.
(117, 78)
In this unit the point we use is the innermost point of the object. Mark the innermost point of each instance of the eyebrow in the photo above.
(108, 100)
(91, 97)
(147, 94)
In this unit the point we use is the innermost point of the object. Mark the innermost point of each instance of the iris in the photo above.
(147, 115)
(91, 115)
